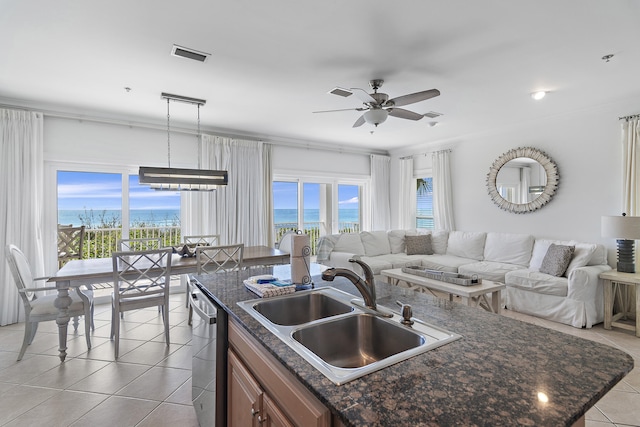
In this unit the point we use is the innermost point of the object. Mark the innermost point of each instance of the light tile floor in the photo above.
(150, 384)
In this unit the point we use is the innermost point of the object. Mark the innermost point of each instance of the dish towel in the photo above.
(268, 286)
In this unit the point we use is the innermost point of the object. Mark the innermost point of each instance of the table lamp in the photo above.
(625, 229)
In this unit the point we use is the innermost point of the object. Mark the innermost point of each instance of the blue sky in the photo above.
(100, 191)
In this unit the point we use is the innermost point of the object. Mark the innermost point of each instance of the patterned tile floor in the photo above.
(150, 384)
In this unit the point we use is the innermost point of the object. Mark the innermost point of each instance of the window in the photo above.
(317, 208)
(424, 203)
(285, 207)
(111, 208)
(348, 208)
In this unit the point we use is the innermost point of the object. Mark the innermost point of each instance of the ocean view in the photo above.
(171, 217)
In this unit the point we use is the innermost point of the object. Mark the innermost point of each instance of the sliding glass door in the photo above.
(113, 206)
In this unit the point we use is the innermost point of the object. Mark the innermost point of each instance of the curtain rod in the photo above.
(447, 150)
(627, 118)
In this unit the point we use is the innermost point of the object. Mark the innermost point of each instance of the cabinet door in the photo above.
(272, 415)
(244, 402)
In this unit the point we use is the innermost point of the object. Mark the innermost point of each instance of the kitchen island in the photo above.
(501, 372)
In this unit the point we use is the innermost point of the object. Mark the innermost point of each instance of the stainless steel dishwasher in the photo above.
(209, 360)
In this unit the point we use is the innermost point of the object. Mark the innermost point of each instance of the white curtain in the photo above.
(442, 199)
(21, 181)
(241, 211)
(631, 162)
(380, 195)
(525, 182)
(407, 194)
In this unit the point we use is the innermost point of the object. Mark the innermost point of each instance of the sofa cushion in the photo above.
(509, 248)
(581, 256)
(488, 270)
(396, 241)
(439, 241)
(535, 281)
(557, 259)
(375, 243)
(377, 263)
(466, 244)
(444, 262)
(350, 243)
(599, 257)
(418, 245)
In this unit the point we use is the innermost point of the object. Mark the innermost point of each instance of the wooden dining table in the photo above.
(77, 273)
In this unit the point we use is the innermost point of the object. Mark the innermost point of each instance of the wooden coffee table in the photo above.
(476, 295)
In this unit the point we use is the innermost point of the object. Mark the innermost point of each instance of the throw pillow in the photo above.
(581, 256)
(418, 245)
(557, 259)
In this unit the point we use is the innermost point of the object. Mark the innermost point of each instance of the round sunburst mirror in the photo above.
(522, 180)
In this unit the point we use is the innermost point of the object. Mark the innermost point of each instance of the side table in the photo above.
(617, 288)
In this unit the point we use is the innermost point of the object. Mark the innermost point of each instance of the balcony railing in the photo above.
(101, 242)
(314, 230)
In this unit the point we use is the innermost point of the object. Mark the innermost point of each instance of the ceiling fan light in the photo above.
(538, 95)
(376, 116)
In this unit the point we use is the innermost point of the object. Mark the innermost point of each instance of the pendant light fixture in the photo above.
(175, 179)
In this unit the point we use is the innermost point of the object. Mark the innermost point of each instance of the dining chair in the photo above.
(215, 259)
(140, 279)
(70, 243)
(285, 241)
(41, 308)
(140, 244)
(198, 240)
(202, 240)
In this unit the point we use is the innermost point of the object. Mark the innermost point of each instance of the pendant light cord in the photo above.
(168, 136)
(199, 136)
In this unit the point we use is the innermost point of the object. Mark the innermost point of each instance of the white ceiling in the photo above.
(274, 61)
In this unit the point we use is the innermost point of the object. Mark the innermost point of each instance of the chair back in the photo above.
(203, 240)
(144, 244)
(139, 274)
(21, 272)
(213, 259)
(285, 242)
(70, 243)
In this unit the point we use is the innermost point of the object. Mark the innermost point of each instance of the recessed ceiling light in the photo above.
(538, 95)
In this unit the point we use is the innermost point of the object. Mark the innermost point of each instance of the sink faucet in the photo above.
(366, 287)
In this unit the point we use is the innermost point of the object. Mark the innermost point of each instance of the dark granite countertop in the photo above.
(492, 376)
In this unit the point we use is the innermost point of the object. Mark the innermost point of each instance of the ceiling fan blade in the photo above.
(344, 109)
(359, 122)
(413, 97)
(404, 114)
(362, 95)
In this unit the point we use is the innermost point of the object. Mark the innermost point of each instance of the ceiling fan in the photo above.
(377, 105)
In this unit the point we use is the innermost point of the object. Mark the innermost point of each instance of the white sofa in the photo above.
(575, 298)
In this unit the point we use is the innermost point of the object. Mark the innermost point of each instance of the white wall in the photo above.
(588, 151)
(88, 142)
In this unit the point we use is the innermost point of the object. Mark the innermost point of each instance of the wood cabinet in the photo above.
(261, 392)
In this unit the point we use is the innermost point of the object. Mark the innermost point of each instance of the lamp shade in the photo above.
(621, 227)
(376, 116)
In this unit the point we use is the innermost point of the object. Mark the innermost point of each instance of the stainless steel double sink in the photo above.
(340, 339)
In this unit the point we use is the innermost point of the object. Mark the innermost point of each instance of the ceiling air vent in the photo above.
(432, 114)
(189, 53)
